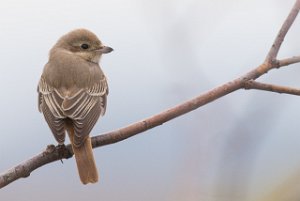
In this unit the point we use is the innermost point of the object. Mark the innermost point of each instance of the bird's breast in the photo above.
(68, 73)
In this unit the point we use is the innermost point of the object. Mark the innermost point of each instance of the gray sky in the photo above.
(166, 51)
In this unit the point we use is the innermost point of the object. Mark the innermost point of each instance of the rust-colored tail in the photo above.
(85, 160)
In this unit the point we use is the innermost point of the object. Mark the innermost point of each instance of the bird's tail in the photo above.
(85, 160)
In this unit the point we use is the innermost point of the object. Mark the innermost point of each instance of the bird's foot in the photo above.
(64, 152)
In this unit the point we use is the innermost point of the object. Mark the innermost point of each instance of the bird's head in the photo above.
(84, 44)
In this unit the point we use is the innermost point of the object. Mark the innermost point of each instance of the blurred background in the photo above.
(244, 146)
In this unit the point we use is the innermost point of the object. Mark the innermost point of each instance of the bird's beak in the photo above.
(105, 49)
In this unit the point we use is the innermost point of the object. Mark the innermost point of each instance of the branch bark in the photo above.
(282, 33)
(251, 84)
(288, 61)
(54, 153)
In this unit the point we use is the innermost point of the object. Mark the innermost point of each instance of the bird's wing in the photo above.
(84, 109)
(49, 102)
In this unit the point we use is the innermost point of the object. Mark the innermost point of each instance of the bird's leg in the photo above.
(63, 152)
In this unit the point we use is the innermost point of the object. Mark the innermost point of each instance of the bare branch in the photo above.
(282, 33)
(251, 84)
(24, 169)
(53, 153)
(288, 61)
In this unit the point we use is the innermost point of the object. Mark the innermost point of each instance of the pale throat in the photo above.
(90, 56)
(96, 58)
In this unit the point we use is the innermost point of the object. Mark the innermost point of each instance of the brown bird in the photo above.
(72, 94)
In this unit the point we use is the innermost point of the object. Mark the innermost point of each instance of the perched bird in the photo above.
(72, 94)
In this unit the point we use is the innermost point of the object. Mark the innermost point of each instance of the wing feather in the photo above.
(83, 108)
(86, 112)
(49, 104)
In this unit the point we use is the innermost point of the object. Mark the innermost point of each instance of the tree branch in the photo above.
(288, 61)
(282, 33)
(251, 84)
(54, 153)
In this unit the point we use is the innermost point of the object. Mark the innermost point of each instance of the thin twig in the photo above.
(251, 84)
(272, 55)
(56, 153)
(288, 61)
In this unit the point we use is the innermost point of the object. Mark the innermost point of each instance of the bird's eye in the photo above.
(85, 46)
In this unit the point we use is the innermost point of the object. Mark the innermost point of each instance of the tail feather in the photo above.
(85, 160)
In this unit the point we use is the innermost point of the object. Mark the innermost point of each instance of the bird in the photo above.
(72, 95)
